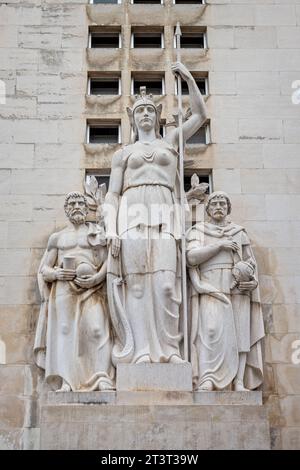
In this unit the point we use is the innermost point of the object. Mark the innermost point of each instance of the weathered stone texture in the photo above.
(252, 60)
(152, 427)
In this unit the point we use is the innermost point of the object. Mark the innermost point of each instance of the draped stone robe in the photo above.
(73, 337)
(144, 281)
(224, 321)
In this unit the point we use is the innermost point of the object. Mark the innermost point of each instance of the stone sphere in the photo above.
(84, 269)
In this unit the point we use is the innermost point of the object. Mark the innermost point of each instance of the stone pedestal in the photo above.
(164, 420)
(154, 377)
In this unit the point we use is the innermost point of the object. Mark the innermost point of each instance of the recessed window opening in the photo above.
(202, 136)
(147, 40)
(147, 1)
(96, 2)
(192, 39)
(104, 133)
(202, 83)
(203, 178)
(183, 2)
(105, 39)
(104, 86)
(155, 84)
(102, 177)
(162, 128)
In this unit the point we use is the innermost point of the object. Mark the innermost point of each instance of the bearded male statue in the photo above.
(73, 340)
(226, 319)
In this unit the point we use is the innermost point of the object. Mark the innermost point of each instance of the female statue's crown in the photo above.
(143, 99)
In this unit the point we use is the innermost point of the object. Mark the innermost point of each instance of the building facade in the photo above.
(68, 71)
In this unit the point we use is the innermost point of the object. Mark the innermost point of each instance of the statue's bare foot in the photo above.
(207, 386)
(238, 386)
(176, 360)
(145, 358)
(64, 388)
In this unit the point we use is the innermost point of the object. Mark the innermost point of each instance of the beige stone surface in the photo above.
(228, 398)
(150, 377)
(12, 411)
(11, 439)
(154, 427)
(291, 438)
(288, 379)
(286, 318)
(252, 61)
(279, 348)
(155, 398)
(290, 410)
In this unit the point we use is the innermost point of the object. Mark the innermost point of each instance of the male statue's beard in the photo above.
(77, 217)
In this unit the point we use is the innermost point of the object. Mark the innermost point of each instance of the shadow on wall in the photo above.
(2, 352)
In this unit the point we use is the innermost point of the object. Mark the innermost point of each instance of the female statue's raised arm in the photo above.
(198, 107)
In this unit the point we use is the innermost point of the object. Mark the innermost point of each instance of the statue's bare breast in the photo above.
(151, 164)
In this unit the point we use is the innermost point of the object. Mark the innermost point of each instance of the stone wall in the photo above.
(252, 60)
(42, 49)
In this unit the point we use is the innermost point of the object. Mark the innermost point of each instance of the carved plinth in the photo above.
(228, 398)
(154, 420)
(152, 377)
(158, 397)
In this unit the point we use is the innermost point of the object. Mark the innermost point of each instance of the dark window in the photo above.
(152, 86)
(104, 134)
(146, 1)
(104, 86)
(105, 1)
(202, 179)
(162, 130)
(199, 137)
(100, 179)
(192, 40)
(201, 83)
(99, 40)
(179, 2)
(147, 40)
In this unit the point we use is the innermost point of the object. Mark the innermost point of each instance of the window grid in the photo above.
(190, 34)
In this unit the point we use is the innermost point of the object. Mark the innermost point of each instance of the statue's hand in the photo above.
(229, 245)
(180, 69)
(245, 286)
(65, 274)
(115, 245)
(86, 282)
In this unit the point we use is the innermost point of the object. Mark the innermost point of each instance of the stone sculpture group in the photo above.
(111, 292)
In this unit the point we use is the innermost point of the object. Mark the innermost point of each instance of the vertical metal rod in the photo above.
(182, 199)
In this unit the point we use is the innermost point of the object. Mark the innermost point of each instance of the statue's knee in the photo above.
(212, 332)
(137, 291)
(96, 333)
(167, 289)
(65, 329)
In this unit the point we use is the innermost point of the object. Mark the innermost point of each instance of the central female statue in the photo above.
(143, 229)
